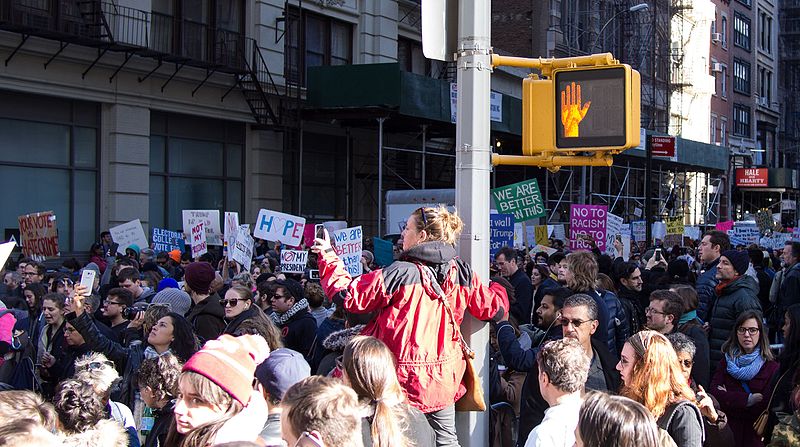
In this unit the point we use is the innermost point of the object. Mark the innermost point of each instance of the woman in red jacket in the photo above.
(411, 319)
(742, 380)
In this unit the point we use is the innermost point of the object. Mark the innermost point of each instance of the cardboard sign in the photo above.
(559, 232)
(613, 228)
(540, 248)
(764, 221)
(210, 219)
(747, 232)
(39, 235)
(280, 227)
(242, 248)
(639, 230)
(724, 226)
(692, 233)
(587, 219)
(523, 200)
(231, 225)
(128, 234)
(199, 245)
(675, 225)
(501, 229)
(293, 261)
(541, 235)
(165, 240)
(348, 245)
(383, 251)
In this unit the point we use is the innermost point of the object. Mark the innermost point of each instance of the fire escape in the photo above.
(169, 40)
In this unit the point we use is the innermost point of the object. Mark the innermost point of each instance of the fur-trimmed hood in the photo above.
(107, 433)
(339, 339)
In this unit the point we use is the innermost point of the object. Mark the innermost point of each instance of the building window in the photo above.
(713, 131)
(741, 31)
(723, 29)
(723, 131)
(410, 57)
(195, 163)
(741, 120)
(723, 76)
(315, 40)
(765, 32)
(741, 76)
(765, 86)
(49, 162)
(745, 2)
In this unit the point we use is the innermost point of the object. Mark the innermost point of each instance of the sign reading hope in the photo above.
(280, 227)
(589, 220)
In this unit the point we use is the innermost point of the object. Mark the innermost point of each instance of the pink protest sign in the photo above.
(587, 220)
(308, 235)
(725, 226)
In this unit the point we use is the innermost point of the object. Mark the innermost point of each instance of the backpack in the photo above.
(664, 438)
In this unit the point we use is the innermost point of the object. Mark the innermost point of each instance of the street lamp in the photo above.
(634, 8)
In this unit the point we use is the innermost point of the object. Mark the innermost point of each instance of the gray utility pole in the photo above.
(473, 167)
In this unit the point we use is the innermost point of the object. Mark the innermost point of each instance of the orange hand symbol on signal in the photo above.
(571, 111)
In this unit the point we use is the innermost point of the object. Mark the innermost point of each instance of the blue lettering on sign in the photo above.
(266, 223)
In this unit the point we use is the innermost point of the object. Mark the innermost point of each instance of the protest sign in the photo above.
(293, 261)
(383, 251)
(308, 235)
(540, 235)
(587, 220)
(745, 231)
(626, 247)
(5, 251)
(546, 249)
(692, 233)
(128, 234)
(523, 200)
(231, 225)
(242, 249)
(764, 221)
(39, 235)
(501, 232)
(199, 245)
(210, 219)
(675, 225)
(639, 230)
(559, 232)
(275, 226)
(724, 226)
(776, 240)
(347, 244)
(519, 235)
(165, 240)
(613, 228)
(659, 230)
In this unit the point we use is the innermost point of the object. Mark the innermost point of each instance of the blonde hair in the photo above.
(212, 394)
(370, 368)
(656, 380)
(439, 223)
(583, 266)
(327, 406)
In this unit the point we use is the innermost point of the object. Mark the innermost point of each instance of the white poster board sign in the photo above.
(199, 242)
(348, 245)
(293, 261)
(231, 225)
(242, 248)
(280, 227)
(210, 219)
(127, 234)
(613, 228)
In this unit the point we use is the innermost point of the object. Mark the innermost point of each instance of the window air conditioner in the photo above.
(716, 37)
(716, 67)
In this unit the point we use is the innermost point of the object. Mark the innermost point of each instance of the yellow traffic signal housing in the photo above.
(581, 109)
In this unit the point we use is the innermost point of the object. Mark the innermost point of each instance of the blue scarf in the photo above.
(687, 317)
(744, 366)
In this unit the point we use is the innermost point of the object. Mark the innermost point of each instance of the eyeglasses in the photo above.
(651, 310)
(422, 215)
(275, 296)
(231, 302)
(311, 436)
(687, 363)
(114, 302)
(576, 323)
(749, 330)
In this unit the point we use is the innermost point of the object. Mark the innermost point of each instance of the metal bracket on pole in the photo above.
(61, 47)
(24, 39)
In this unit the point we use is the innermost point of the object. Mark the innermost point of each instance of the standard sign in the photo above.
(523, 200)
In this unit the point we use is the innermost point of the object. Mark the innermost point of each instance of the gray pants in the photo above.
(443, 423)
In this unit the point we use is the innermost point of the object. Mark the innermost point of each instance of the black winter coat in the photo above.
(523, 296)
(299, 332)
(207, 318)
(163, 419)
(705, 290)
(738, 296)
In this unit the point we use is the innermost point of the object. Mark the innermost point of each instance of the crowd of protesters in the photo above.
(686, 346)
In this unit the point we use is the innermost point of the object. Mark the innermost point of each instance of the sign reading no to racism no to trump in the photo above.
(523, 200)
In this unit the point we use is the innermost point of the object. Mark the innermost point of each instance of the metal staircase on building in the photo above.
(252, 85)
(91, 11)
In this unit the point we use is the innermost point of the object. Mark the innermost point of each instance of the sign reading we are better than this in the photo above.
(523, 200)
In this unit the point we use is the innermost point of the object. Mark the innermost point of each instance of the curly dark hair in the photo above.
(78, 405)
(161, 374)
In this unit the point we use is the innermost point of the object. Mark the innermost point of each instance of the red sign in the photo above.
(662, 146)
(752, 177)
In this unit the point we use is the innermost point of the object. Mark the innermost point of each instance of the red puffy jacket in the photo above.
(412, 321)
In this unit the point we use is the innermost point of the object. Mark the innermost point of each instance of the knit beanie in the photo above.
(175, 255)
(230, 362)
(198, 277)
(167, 283)
(293, 287)
(739, 259)
(135, 248)
(178, 300)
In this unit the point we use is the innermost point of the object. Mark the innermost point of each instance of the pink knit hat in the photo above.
(231, 362)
